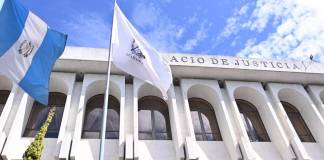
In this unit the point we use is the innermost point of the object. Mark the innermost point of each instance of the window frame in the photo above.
(295, 112)
(31, 130)
(4, 95)
(97, 102)
(159, 106)
(252, 132)
(194, 105)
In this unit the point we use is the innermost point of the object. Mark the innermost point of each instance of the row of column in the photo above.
(284, 144)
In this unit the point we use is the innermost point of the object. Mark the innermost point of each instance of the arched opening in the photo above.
(153, 119)
(204, 120)
(93, 117)
(298, 122)
(252, 122)
(4, 94)
(39, 114)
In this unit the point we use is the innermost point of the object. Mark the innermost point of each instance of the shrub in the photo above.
(34, 150)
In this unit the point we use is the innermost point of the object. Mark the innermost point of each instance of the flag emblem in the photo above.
(26, 48)
(136, 53)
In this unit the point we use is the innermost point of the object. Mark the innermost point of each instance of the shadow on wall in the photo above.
(58, 85)
(5, 83)
(98, 87)
(295, 98)
(322, 96)
(251, 95)
(149, 90)
(204, 92)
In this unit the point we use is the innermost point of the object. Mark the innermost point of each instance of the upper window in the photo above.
(4, 94)
(204, 120)
(153, 119)
(298, 122)
(252, 122)
(93, 117)
(39, 114)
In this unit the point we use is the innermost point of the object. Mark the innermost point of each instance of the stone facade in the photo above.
(80, 74)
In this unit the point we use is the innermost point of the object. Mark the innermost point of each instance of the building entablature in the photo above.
(94, 60)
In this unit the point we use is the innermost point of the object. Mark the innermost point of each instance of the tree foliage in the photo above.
(34, 150)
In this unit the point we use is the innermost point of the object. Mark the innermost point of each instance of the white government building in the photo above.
(220, 108)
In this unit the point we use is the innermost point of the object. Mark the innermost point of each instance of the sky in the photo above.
(277, 29)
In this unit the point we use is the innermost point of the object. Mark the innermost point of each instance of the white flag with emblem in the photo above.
(132, 54)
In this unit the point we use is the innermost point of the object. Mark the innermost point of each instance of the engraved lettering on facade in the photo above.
(265, 64)
(214, 60)
(201, 60)
(225, 61)
(279, 65)
(184, 59)
(174, 59)
(237, 62)
(255, 63)
(192, 59)
(272, 65)
(246, 62)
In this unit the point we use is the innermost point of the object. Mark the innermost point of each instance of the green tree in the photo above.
(34, 150)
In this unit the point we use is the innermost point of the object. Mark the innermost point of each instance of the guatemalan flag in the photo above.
(28, 49)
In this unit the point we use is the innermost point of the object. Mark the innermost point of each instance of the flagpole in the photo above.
(105, 106)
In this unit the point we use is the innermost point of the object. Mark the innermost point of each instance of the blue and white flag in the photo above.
(28, 49)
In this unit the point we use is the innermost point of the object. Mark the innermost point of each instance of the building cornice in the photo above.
(94, 60)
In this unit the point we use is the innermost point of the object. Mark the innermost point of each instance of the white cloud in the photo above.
(201, 34)
(299, 29)
(87, 27)
(243, 10)
(146, 15)
(193, 19)
(180, 32)
(231, 27)
(160, 30)
(300, 33)
(264, 10)
(235, 41)
(233, 24)
(163, 37)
